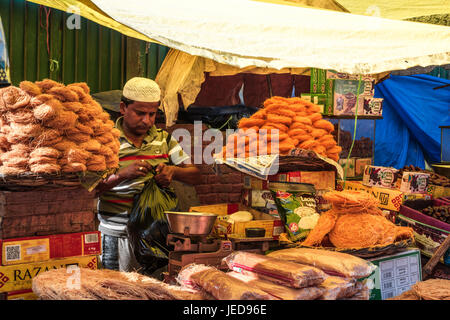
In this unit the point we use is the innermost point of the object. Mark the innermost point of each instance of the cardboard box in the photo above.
(318, 77)
(371, 107)
(360, 165)
(349, 166)
(346, 95)
(250, 182)
(316, 98)
(258, 199)
(329, 92)
(322, 204)
(320, 179)
(390, 215)
(273, 226)
(395, 274)
(427, 238)
(383, 177)
(386, 177)
(35, 249)
(438, 191)
(331, 74)
(389, 199)
(414, 182)
(22, 295)
(20, 276)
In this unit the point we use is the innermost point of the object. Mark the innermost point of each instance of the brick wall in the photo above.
(214, 188)
(46, 211)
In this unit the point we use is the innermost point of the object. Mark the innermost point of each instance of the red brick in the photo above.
(204, 179)
(237, 188)
(210, 198)
(41, 208)
(213, 179)
(14, 227)
(215, 188)
(8, 197)
(223, 198)
(234, 198)
(205, 169)
(22, 209)
(49, 196)
(230, 178)
(226, 188)
(202, 189)
(223, 169)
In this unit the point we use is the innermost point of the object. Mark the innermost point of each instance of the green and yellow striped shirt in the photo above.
(114, 205)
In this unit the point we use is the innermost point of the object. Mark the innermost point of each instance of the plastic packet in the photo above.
(297, 207)
(331, 262)
(282, 272)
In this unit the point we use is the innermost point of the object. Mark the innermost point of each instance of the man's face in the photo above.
(139, 117)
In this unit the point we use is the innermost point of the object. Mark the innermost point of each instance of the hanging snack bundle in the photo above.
(49, 115)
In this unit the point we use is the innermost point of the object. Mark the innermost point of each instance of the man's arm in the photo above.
(136, 169)
(186, 173)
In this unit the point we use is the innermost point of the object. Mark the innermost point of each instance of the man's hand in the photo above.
(139, 168)
(164, 174)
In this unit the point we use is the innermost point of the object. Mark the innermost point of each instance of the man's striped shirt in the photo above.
(115, 205)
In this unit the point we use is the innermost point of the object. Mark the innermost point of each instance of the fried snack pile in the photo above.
(431, 289)
(48, 128)
(298, 123)
(355, 221)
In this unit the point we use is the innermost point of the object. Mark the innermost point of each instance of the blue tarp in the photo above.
(412, 113)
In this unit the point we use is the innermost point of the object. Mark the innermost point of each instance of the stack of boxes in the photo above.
(354, 167)
(337, 93)
(257, 195)
(42, 230)
(390, 189)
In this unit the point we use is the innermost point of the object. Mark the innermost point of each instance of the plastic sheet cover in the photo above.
(246, 33)
(413, 110)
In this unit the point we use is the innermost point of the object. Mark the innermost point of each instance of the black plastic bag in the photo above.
(148, 228)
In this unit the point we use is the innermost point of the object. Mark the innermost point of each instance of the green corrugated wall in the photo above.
(440, 72)
(102, 57)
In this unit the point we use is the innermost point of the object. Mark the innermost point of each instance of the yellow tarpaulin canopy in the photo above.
(90, 11)
(265, 36)
(397, 9)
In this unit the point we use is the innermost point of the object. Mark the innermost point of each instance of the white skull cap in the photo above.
(142, 90)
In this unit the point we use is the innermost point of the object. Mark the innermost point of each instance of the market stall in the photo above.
(302, 230)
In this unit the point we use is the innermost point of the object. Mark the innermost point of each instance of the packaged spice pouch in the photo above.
(297, 207)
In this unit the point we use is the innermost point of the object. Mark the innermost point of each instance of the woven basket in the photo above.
(369, 252)
(303, 160)
(28, 180)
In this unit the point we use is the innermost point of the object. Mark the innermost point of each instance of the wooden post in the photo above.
(428, 268)
(133, 61)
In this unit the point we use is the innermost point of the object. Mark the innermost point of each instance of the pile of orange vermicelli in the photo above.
(47, 127)
(354, 221)
(296, 122)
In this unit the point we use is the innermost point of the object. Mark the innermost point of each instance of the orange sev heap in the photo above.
(298, 124)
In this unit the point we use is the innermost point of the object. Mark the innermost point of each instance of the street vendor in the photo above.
(144, 149)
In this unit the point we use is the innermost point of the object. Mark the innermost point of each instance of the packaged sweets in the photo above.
(297, 207)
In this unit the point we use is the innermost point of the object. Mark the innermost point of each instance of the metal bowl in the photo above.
(190, 223)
